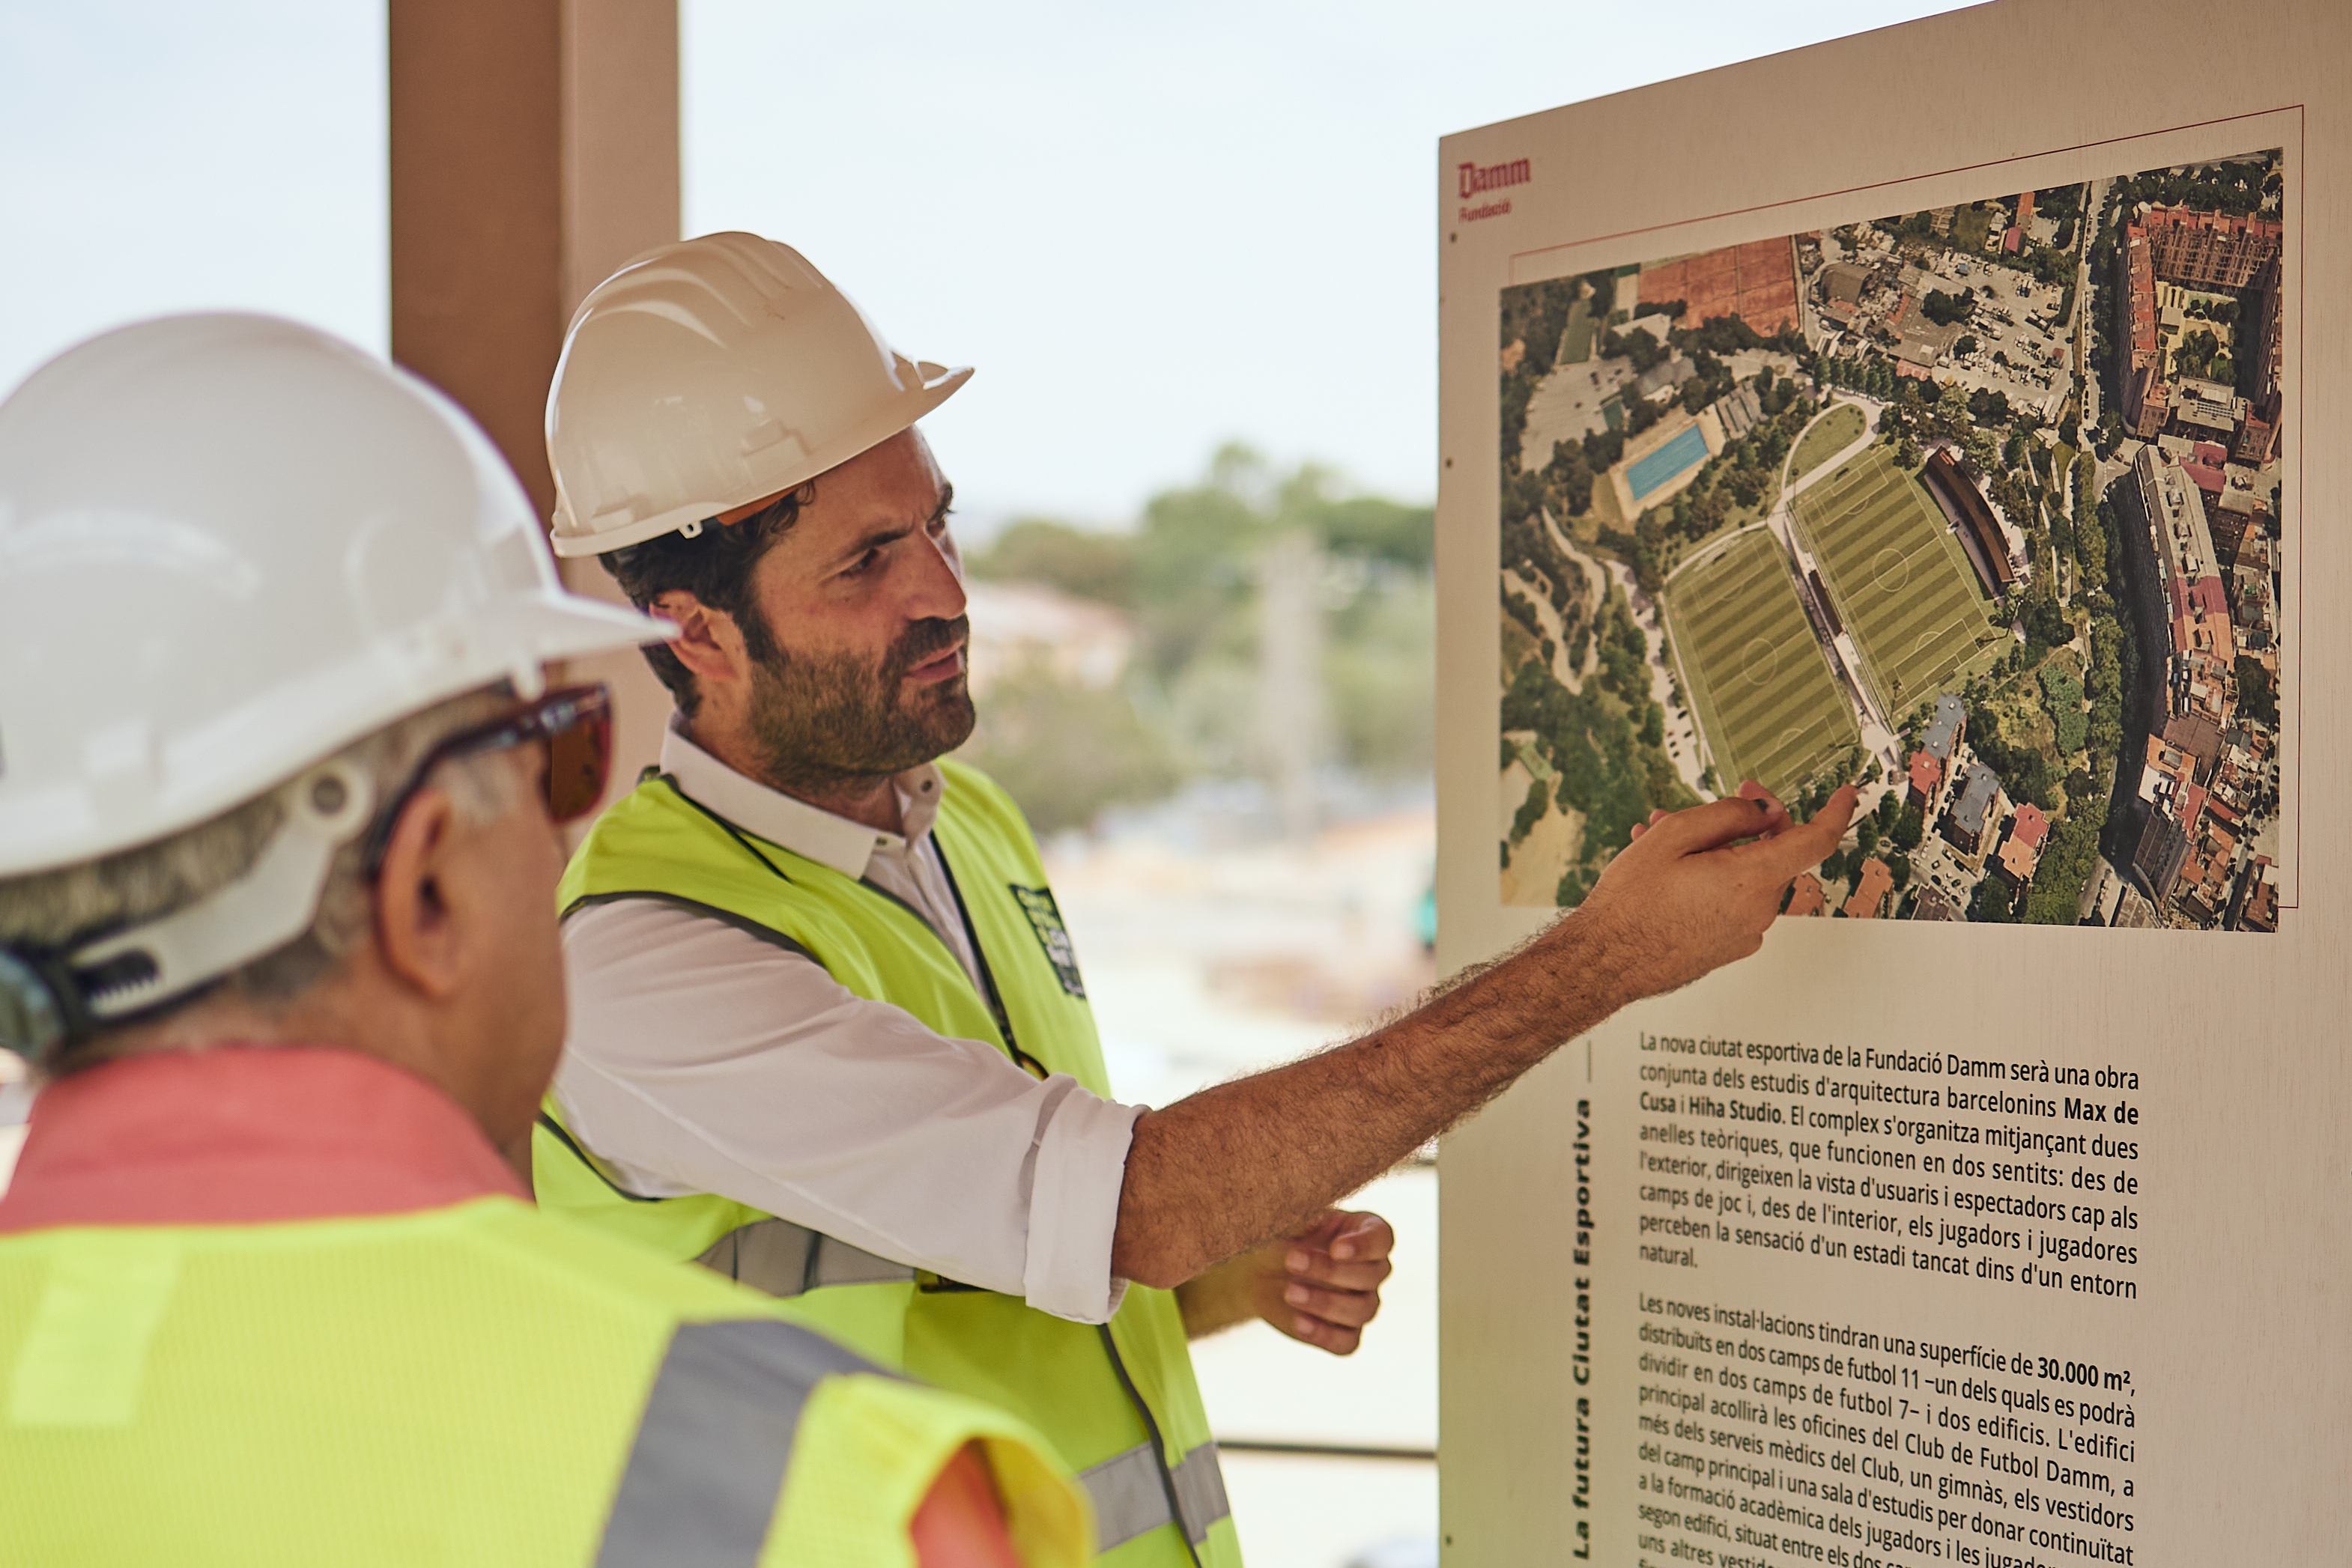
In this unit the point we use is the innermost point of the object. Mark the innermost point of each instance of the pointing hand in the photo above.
(1698, 888)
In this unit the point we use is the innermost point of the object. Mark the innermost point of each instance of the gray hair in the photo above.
(56, 909)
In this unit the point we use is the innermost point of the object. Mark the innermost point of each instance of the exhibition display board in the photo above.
(1948, 410)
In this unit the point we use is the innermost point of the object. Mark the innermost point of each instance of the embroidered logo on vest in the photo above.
(1046, 919)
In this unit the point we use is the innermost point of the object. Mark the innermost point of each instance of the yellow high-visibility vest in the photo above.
(1119, 1401)
(473, 1385)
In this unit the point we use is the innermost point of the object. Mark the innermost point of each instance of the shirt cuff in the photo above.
(1081, 1155)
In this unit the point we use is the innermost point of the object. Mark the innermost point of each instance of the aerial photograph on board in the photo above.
(1976, 508)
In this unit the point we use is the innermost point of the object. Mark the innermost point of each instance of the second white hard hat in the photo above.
(711, 374)
(229, 546)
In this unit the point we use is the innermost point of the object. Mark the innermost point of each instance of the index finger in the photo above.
(1694, 829)
(1807, 845)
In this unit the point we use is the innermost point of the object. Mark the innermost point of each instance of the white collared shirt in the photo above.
(702, 1058)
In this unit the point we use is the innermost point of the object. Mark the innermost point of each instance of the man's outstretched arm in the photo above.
(1235, 1165)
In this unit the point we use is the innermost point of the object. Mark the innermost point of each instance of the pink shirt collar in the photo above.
(241, 1135)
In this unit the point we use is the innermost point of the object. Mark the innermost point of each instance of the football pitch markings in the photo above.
(1759, 683)
(1898, 585)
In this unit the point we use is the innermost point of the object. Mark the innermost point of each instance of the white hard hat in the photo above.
(711, 373)
(229, 546)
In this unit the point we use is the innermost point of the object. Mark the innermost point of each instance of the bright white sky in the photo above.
(1152, 228)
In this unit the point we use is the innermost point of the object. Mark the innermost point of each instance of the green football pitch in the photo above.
(1896, 577)
(1770, 709)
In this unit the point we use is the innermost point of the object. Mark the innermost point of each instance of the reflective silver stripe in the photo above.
(1130, 1498)
(787, 1259)
(716, 1439)
(1200, 1491)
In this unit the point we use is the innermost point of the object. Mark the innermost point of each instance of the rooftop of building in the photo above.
(1944, 726)
(2164, 762)
(1805, 896)
(1844, 281)
(2194, 736)
(2192, 806)
(2249, 225)
(1980, 787)
(2163, 845)
(2262, 906)
(1739, 410)
(2177, 508)
(1870, 889)
(1667, 373)
(2018, 857)
(2211, 402)
(1927, 772)
(1933, 906)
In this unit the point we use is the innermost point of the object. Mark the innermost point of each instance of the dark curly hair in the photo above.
(716, 567)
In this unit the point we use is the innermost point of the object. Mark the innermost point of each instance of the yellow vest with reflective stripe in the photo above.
(1119, 1401)
(475, 1385)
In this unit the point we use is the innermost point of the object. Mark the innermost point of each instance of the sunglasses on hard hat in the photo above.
(576, 727)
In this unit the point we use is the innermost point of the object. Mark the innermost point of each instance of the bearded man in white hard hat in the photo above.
(830, 1034)
(277, 852)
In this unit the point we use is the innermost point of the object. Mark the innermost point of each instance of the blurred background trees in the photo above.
(1259, 627)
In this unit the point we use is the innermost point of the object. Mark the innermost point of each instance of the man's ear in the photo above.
(416, 928)
(708, 642)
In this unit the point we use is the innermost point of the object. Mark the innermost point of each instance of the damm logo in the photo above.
(1493, 177)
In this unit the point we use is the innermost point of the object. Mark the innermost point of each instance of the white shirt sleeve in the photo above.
(704, 1058)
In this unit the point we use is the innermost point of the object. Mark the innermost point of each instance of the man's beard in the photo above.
(824, 721)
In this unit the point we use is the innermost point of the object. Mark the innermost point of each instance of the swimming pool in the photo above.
(1667, 464)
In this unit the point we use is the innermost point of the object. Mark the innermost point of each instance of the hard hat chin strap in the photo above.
(52, 999)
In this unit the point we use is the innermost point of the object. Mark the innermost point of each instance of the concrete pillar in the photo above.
(534, 148)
